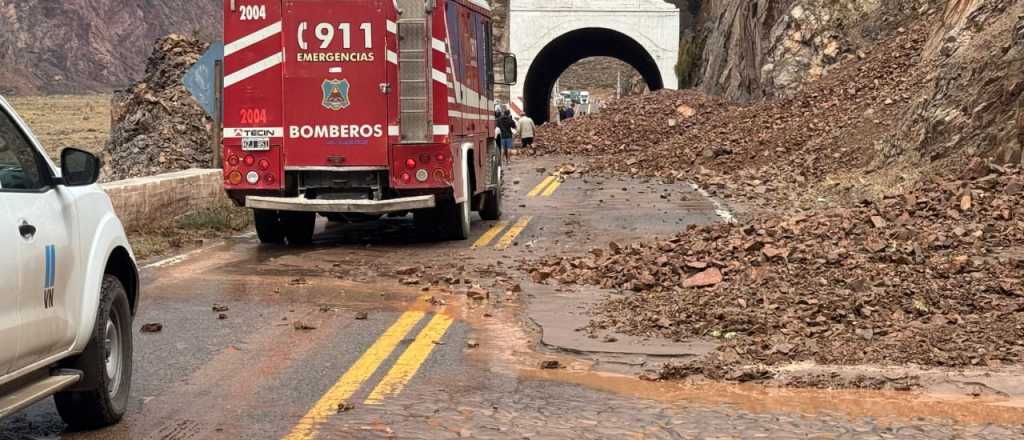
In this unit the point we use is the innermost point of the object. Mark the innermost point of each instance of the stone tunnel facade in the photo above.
(548, 36)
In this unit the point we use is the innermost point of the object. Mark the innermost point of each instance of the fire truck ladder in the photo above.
(414, 72)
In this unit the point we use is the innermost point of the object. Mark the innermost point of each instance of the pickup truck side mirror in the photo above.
(79, 168)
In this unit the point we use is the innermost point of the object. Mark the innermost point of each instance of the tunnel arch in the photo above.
(569, 48)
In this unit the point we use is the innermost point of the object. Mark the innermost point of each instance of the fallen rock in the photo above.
(154, 327)
(708, 278)
(302, 325)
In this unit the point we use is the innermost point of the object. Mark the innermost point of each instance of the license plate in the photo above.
(256, 144)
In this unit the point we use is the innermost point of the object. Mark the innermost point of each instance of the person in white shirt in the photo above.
(527, 131)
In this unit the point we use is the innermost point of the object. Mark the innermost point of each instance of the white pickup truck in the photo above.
(69, 285)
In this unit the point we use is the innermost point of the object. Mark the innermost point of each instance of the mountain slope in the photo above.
(75, 46)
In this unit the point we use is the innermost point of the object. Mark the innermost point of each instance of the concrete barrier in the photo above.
(146, 200)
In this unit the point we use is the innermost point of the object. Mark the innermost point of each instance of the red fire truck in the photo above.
(356, 109)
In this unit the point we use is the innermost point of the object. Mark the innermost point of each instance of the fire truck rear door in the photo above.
(335, 101)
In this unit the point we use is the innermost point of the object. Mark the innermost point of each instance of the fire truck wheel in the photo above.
(426, 221)
(268, 226)
(492, 205)
(457, 215)
(298, 227)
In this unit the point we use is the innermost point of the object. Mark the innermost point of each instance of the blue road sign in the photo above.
(199, 80)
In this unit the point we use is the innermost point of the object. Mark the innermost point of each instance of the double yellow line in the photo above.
(393, 382)
(546, 187)
(510, 236)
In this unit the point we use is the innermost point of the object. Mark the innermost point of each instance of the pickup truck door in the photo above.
(10, 322)
(43, 221)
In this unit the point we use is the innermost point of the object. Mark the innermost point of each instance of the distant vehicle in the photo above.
(70, 284)
(351, 110)
(585, 97)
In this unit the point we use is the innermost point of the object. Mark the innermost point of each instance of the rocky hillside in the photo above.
(75, 46)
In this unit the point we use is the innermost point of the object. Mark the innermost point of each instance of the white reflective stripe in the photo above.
(392, 57)
(252, 38)
(393, 130)
(392, 27)
(247, 72)
(439, 46)
(441, 130)
(440, 76)
(234, 133)
(481, 3)
(468, 116)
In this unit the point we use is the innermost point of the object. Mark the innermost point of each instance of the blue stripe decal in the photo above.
(50, 260)
(46, 262)
(49, 267)
(53, 265)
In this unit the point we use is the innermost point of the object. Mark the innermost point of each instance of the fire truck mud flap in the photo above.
(302, 204)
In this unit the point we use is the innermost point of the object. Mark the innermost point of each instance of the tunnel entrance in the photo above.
(568, 49)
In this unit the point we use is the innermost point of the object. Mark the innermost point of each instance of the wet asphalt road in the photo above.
(429, 363)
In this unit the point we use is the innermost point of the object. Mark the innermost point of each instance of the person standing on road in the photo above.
(570, 112)
(506, 124)
(527, 130)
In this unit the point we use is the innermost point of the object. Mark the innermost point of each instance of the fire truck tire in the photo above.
(299, 227)
(492, 205)
(268, 226)
(456, 216)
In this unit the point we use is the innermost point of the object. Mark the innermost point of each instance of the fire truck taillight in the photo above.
(406, 178)
(249, 160)
(440, 157)
(252, 177)
(410, 163)
(439, 175)
(268, 179)
(422, 175)
(264, 164)
(235, 178)
(424, 159)
(233, 160)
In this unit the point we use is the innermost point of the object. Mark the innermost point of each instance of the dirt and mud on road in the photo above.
(450, 340)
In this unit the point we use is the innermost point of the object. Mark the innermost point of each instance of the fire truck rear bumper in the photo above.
(302, 204)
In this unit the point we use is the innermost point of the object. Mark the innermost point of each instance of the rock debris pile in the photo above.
(753, 152)
(864, 244)
(157, 126)
(933, 277)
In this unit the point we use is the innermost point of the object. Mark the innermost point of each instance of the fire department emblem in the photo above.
(335, 94)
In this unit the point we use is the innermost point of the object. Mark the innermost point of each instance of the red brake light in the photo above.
(406, 177)
(269, 178)
(440, 157)
(249, 160)
(410, 163)
(264, 164)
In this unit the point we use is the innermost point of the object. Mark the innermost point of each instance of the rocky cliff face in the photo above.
(971, 103)
(734, 35)
(757, 48)
(968, 80)
(75, 46)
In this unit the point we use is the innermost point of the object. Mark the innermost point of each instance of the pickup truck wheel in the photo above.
(299, 227)
(268, 226)
(106, 364)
